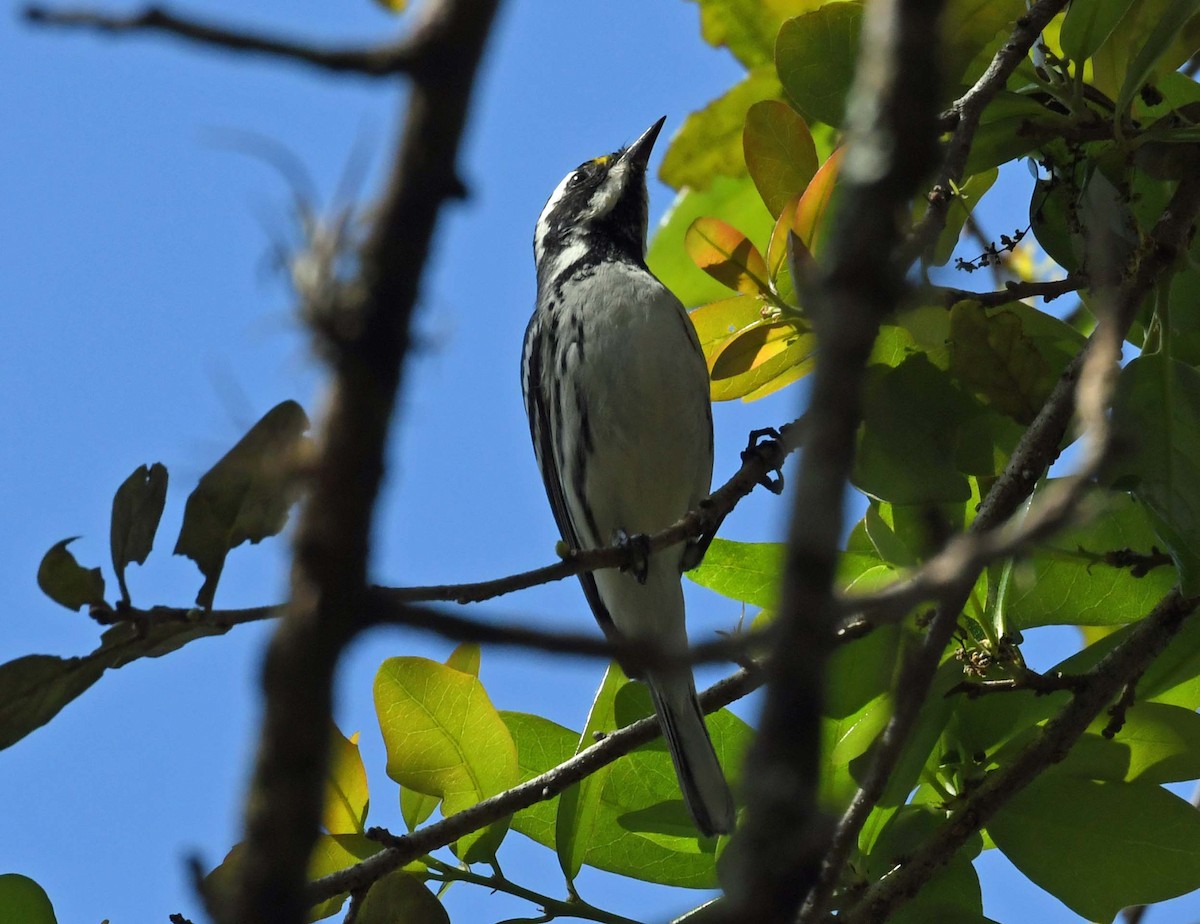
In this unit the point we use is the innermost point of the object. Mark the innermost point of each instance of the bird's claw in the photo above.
(637, 551)
(764, 441)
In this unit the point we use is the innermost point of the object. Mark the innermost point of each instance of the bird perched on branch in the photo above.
(616, 389)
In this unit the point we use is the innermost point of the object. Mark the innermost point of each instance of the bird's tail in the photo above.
(705, 792)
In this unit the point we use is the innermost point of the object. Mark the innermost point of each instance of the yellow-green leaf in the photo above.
(779, 152)
(1087, 24)
(748, 27)
(709, 144)
(727, 255)
(760, 344)
(401, 898)
(393, 6)
(67, 582)
(579, 805)
(346, 794)
(444, 738)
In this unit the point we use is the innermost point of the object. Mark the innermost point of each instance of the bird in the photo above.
(617, 393)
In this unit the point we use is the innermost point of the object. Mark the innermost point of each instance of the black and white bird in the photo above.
(616, 389)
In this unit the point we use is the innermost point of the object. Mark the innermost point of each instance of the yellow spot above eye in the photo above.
(601, 161)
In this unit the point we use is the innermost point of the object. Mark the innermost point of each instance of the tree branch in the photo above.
(993, 531)
(381, 61)
(363, 331)
(891, 146)
(1103, 682)
(965, 114)
(1014, 291)
(541, 788)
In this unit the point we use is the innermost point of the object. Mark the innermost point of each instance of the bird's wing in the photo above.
(537, 407)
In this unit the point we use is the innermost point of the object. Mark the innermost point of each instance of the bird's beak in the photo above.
(638, 153)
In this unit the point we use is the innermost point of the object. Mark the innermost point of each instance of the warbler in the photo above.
(616, 389)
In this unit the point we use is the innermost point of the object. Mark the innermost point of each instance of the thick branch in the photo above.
(891, 146)
(1103, 682)
(380, 61)
(539, 789)
(365, 337)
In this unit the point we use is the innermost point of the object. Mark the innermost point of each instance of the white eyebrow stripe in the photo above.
(543, 226)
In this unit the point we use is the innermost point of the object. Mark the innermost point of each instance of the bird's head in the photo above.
(598, 209)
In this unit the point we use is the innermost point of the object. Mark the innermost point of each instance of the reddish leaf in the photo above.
(727, 255)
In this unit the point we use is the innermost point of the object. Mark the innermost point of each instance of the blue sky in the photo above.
(143, 322)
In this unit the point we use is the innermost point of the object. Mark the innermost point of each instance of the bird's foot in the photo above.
(637, 551)
(765, 444)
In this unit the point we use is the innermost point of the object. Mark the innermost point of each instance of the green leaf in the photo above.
(1011, 356)
(747, 27)
(401, 897)
(1136, 36)
(952, 895)
(861, 670)
(815, 55)
(911, 418)
(968, 28)
(466, 658)
(709, 144)
(751, 360)
(22, 899)
(136, 510)
(346, 795)
(541, 746)
(779, 153)
(1158, 743)
(1004, 131)
(745, 571)
(416, 807)
(1087, 24)
(245, 496)
(67, 582)
(843, 739)
(444, 738)
(34, 688)
(579, 805)
(331, 854)
(1068, 582)
(1100, 847)
(1156, 416)
(1166, 30)
(737, 202)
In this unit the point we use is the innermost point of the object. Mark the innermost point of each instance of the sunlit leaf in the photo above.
(541, 746)
(67, 582)
(444, 738)
(393, 6)
(401, 897)
(579, 805)
(346, 793)
(811, 218)
(136, 511)
(744, 571)
(779, 152)
(1157, 743)
(709, 144)
(727, 255)
(815, 55)
(737, 202)
(245, 496)
(757, 355)
(748, 27)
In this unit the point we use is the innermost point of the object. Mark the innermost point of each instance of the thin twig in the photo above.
(380, 61)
